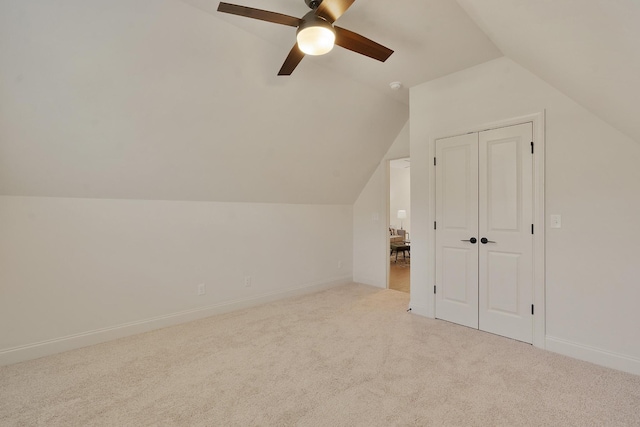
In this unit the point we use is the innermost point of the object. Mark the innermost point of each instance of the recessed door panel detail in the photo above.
(502, 275)
(454, 274)
(456, 185)
(484, 245)
(503, 185)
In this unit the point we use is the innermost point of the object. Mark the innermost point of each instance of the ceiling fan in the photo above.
(316, 33)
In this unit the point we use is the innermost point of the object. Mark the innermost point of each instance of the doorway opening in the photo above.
(399, 224)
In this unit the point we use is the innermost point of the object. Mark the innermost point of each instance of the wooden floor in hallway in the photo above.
(399, 275)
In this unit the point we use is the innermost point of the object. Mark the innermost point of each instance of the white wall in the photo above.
(400, 197)
(370, 231)
(78, 271)
(592, 180)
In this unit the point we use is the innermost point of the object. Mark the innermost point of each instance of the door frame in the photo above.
(388, 213)
(538, 121)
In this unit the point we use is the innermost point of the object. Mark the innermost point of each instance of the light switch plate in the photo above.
(556, 221)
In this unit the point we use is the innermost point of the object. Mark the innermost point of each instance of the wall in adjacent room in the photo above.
(592, 180)
(75, 272)
(400, 197)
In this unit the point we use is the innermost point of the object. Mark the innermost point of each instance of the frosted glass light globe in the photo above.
(316, 40)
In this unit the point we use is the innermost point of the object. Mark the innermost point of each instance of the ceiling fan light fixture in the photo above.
(315, 35)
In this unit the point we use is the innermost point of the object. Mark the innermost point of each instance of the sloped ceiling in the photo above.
(167, 99)
(588, 49)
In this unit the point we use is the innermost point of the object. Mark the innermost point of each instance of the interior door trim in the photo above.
(538, 121)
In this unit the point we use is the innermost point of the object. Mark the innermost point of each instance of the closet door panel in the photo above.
(505, 221)
(457, 224)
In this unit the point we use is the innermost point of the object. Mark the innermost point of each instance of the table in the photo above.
(403, 247)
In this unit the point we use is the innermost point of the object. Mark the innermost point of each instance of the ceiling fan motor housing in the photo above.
(313, 4)
(311, 19)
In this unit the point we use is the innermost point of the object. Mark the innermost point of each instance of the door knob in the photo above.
(472, 240)
(484, 241)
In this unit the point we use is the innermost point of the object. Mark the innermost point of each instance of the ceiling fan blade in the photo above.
(263, 15)
(331, 10)
(292, 61)
(362, 45)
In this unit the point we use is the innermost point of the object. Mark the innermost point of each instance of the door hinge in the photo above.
(531, 147)
(434, 289)
(435, 225)
(434, 161)
(532, 309)
(531, 228)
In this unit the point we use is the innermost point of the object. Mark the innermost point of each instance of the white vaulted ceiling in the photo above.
(169, 99)
(158, 99)
(588, 49)
(430, 39)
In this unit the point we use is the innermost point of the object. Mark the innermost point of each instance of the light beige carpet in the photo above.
(349, 356)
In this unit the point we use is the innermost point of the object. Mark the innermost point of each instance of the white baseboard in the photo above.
(369, 281)
(593, 355)
(84, 339)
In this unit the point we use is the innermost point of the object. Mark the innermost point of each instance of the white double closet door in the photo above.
(484, 227)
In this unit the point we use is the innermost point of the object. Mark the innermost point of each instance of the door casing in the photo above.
(484, 189)
(538, 121)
